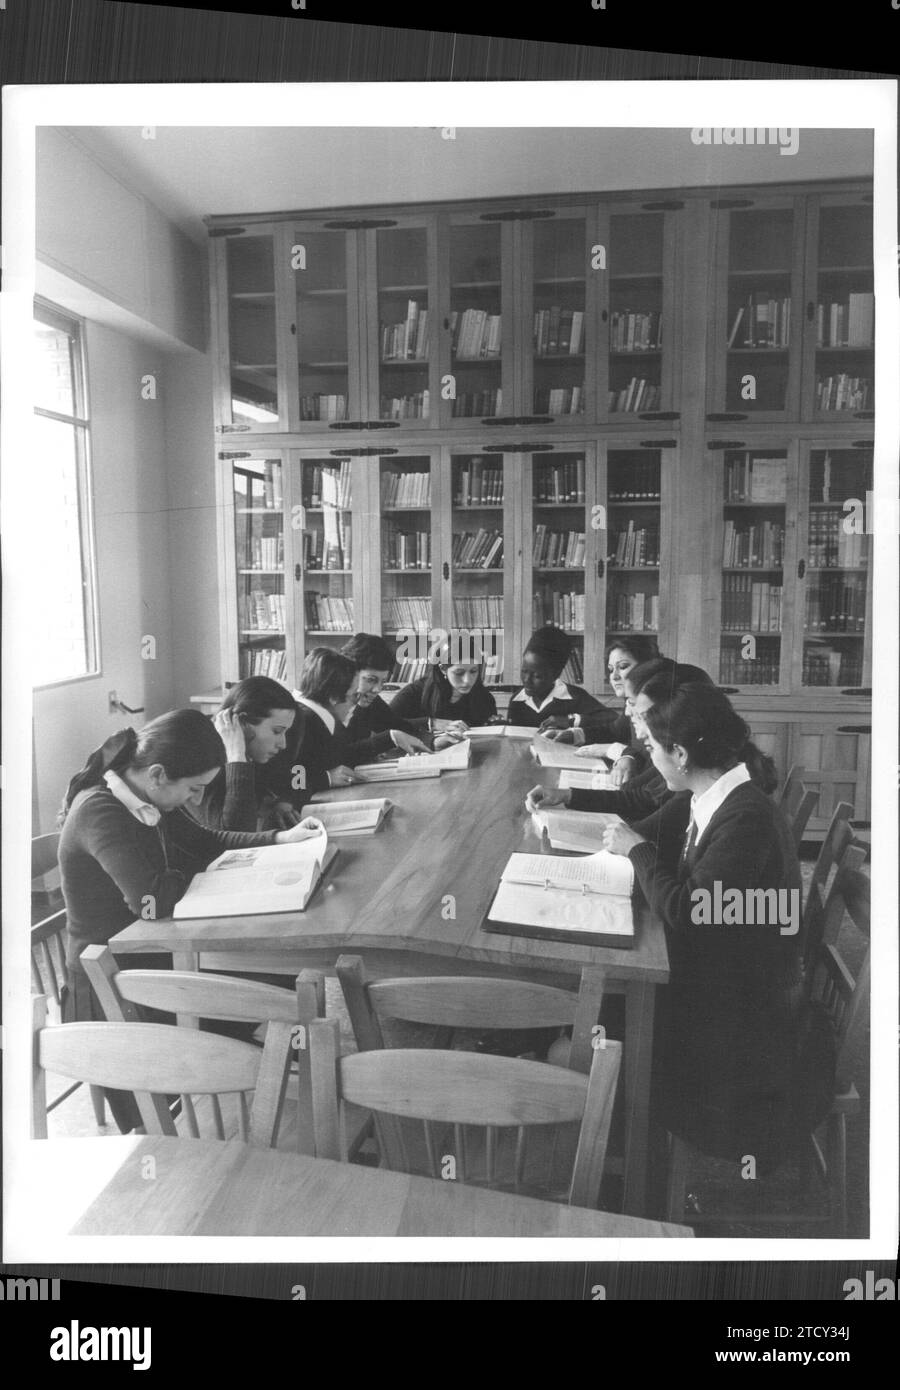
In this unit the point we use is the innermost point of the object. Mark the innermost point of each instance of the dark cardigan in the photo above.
(312, 747)
(726, 1038)
(641, 795)
(431, 698)
(369, 730)
(113, 869)
(578, 702)
(233, 800)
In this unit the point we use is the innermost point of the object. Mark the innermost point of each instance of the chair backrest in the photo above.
(846, 1001)
(49, 973)
(847, 893)
(193, 996)
(473, 1002)
(451, 1091)
(44, 854)
(157, 1058)
(792, 791)
(837, 838)
(799, 818)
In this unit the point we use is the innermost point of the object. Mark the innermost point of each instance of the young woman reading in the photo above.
(374, 727)
(255, 723)
(451, 698)
(545, 701)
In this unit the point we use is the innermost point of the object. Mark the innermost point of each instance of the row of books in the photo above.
(407, 550)
(565, 610)
(409, 339)
(323, 407)
(749, 479)
(481, 549)
(764, 320)
(475, 333)
(559, 400)
(478, 483)
(327, 614)
(844, 392)
(259, 552)
(737, 669)
(261, 612)
(329, 549)
(628, 612)
(834, 604)
(847, 322)
(825, 666)
(406, 489)
(633, 332)
(636, 545)
(639, 394)
(573, 671)
(830, 546)
(750, 605)
(837, 478)
(258, 493)
(484, 612)
(328, 487)
(406, 671)
(637, 483)
(760, 546)
(263, 661)
(484, 403)
(409, 614)
(414, 406)
(563, 548)
(558, 331)
(558, 482)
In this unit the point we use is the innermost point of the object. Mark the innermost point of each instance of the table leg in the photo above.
(639, 1007)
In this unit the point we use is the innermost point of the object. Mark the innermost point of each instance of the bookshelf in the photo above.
(841, 310)
(262, 621)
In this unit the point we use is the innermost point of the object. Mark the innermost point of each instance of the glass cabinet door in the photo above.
(754, 536)
(326, 563)
(402, 327)
(249, 398)
(259, 564)
(480, 554)
(637, 359)
(560, 322)
(634, 508)
(559, 543)
(479, 364)
(836, 603)
(325, 326)
(406, 486)
(844, 305)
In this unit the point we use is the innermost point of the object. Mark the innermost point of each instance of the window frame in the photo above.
(53, 317)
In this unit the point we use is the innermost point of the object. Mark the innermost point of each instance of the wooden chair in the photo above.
(194, 996)
(825, 908)
(837, 837)
(159, 1059)
(791, 793)
(49, 971)
(502, 1096)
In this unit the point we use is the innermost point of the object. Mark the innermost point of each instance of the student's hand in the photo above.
(342, 776)
(304, 831)
(592, 750)
(556, 721)
(231, 731)
(284, 815)
(407, 743)
(621, 839)
(623, 770)
(454, 734)
(542, 798)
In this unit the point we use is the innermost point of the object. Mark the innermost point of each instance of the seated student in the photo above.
(545, 701)
(128, 845)
(451, 691)
(374, 727)
(723, 1069)
(622, 655)
(254, 722)
(320, 747)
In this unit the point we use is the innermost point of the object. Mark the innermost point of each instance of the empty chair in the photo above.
(161, 1059)
(837, 837)
(791, 793)
(797, 803)
(192, 996)
(49, 971)
(450, 1091)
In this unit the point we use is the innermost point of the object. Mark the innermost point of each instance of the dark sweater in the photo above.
(607, 726)
(641, 795)
(726, 1041)
(113, 869)
(578, 701)
(369, 730)
(431, 698)
(234, 800)
(312, 747)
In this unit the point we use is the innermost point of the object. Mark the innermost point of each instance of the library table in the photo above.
(157, 1186)
(411, 900)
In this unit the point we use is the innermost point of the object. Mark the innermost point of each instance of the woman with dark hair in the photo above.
(318, 755)
(129, 848)
(545, 701)
(374, 727)
(622, 655)
(717, 863)
(254, 722)
(452, 695)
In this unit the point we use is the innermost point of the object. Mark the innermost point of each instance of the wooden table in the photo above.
(155, 1186)
(411, 900)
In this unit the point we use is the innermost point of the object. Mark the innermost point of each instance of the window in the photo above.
(63, 586)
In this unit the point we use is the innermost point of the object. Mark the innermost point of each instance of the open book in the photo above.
(584, 779)
(406, 770)
(558, 898)
(501, 731)
(552, 754)
(458, 755)
(575, 830)
(350, 817)
(269, 878)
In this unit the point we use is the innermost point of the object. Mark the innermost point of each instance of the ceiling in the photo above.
(193, 172)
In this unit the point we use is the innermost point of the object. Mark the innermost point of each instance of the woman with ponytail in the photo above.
(129, 846)
(706, 863)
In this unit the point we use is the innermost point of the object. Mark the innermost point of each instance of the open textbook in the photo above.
(269, 878)
(575, 830)
(552, 754)
(501, 731)
(459, 755)
(558, 898)
(586, 779)
(350, 817)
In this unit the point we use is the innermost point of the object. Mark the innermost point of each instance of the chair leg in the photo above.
(676, 1181)
(837, 1172)
(99, 1105)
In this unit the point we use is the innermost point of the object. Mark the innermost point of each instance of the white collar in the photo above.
(704, 807)
(559, 692)
(324, 714)
(141, 810)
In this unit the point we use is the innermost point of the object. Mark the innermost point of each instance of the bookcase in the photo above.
(634, 413)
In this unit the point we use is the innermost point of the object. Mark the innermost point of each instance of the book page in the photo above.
(344, 816)
(271, 857)
(457, 756)
(562, 911)
(578, 830)
(601, 872)
(407, 770)
(552, 754)
(584, 779)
